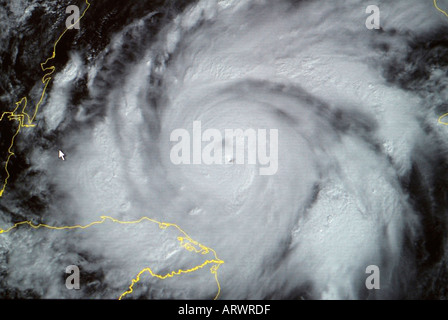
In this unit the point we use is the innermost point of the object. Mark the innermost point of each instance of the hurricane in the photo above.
(360, 175)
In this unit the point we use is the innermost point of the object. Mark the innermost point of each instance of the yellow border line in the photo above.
(437, 7)
(185, 241)
(441, 117)
(446, 14)
(23, 103)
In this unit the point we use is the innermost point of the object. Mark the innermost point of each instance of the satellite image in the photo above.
(224, 150)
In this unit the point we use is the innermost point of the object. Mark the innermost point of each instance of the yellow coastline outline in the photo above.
(26, 121)
(446, 114)
(437, 7)
(185, 241)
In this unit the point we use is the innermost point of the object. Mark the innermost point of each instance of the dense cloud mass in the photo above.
(362, 159)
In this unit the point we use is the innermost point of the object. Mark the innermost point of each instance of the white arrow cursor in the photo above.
(61, 155)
